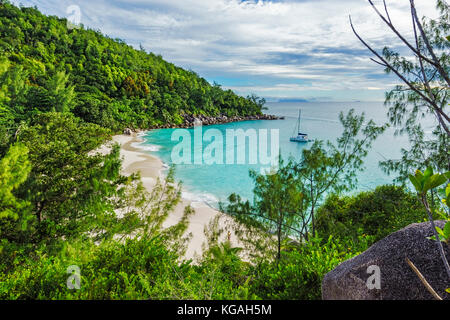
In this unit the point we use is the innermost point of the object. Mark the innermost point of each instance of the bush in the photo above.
(109, 271)
(375, 213)
(299, 274)
(136, 269)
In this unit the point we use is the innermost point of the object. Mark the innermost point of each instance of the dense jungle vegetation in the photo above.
(47, 66)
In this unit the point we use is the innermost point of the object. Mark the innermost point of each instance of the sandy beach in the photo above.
(150, 168)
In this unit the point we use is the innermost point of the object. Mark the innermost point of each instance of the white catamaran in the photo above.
(301, 137)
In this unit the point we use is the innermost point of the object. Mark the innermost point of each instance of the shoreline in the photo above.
(151, 164)
(151, 168)
(191, 121)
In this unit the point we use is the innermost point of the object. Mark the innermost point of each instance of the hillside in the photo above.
(44, 66)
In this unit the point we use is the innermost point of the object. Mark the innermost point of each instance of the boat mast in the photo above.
(298, 123)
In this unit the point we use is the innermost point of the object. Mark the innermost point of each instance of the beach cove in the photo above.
(151, 168)
(204, 186)
(212, 182)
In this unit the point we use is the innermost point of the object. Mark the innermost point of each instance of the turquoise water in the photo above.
(214, 183)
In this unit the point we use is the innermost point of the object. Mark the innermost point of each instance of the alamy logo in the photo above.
(374, 281)
(74, 280)
(73, 17)
(236, 147)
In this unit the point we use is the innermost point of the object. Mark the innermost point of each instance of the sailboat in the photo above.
(301, 137)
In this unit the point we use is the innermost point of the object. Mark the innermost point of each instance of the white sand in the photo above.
(150, 167)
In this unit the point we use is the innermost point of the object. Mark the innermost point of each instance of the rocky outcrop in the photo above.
(128, 131)
(397, 281)
(189, 121)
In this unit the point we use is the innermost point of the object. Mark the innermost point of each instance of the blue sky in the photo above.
(275, 49)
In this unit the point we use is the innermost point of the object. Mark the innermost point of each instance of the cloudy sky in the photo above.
(276, 49)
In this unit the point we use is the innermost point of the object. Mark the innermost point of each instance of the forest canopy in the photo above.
(47, 67)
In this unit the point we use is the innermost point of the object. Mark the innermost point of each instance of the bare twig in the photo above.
(422, 278)
(391, 26)
(432, 103)
(378, 62)
(387, 12)
(436, 61)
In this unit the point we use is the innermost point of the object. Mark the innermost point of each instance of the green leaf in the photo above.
(428, 172)
(415, 182)
(440, 231)
(419, 175)
(447, 290)
(434, 182)
(441, 238)
(447, 230)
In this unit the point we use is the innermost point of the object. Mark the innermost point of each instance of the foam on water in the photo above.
(198, 199)
(145, 147)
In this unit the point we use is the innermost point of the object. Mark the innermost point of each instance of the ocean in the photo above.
(212, 183)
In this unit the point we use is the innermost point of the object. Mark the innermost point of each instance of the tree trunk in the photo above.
(279, 243)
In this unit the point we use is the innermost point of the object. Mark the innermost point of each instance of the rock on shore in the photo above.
(189, 120)
(397, 281)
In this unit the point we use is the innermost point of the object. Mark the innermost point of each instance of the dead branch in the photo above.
(422, 278)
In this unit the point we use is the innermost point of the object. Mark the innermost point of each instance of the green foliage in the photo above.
(14, 170)
(54, 96)
(139, 268)
(446, 195)
(300, 272)
(375, 214)
(425, 96)
(48, 67)
(278, 203)
(427, 181)
(227, 257)
(444, 234)
(424, 182)
(15, 212)
(67, 187)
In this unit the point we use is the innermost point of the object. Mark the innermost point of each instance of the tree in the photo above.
(14, 211)
(277, 202)
(424, 182)
(101, 80)
(14, 91)
(376, 213)
(285, 202)
(54, 96)
(71, 191)
(61, 95)
(425, 89)
(334, 167)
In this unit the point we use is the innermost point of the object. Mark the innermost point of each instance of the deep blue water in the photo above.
(213, 183)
